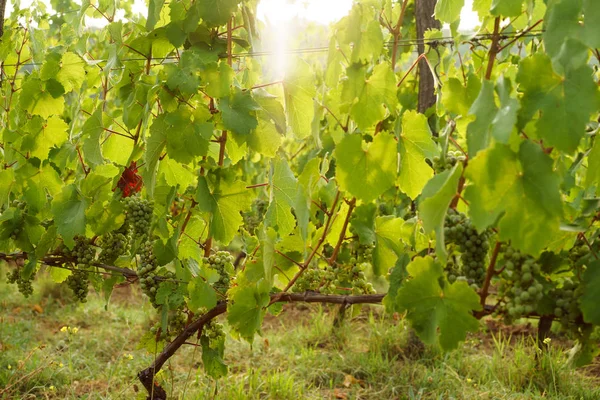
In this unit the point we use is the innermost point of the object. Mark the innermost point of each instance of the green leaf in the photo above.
(448, 10)
(593, 171)
(565, 102)
(284, 186)
(491, 121)
(7, 181)
(378, 95)
(166, 252)
(59, 275)
(591, 294)
(436, 309)
(457, 98)
(521, 190)
(215, 13)
(366, 171)
(561, 22)
(154, 8)
(176, 174)
(484, 109)
(299, 91)
(91, 133)
(435, 200)
(224, 202)
(53, 134)
(265, 139)
(37, 101)
(388, 233)
(246, 310)
(239, 113)
(72, 72)
(201, 295)
(507, 8)
(396, 278)
(212, 357)
(415, 144)
(68, 208)
(155, 145)
(218, 79)
(591, 27)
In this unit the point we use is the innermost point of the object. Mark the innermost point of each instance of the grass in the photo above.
(298, 356)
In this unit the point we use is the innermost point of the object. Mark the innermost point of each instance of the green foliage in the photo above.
(436, 309)
(146, 142)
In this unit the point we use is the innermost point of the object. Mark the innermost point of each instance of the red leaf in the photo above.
(130, 182)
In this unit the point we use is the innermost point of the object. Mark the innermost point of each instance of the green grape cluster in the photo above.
(579, 250)
(567, 301)
(83, 252)
(347, 277)
(222, 262)
(147, 272)
(253, 218)
(213, 332)
(519, 288)
(113, 244)
(312, 279)
(473, 246)
(78, 282)
(23, 284)
(139, 215)
(177, 323)
(452, 270)
(441, 164)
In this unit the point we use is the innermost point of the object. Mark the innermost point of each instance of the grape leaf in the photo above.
(565, 102)
(448, 10)
(239, 113)
(299, 90)
(284, 187)
(91, 132)
(223, 201)
(437, 310)
(491, 121)
(593, 171)
(265, 139)
(388, 233)
(212, 357)
(366, 173)
(520, 189)
(154, 8)
(506, 8)
(246, 310)
(72, 72)
(415, 145)
(201, 295)
(378, 90)
(591, 294)
(38, 101)
(591, 27)
(434, 202)
(68, 208)
(215, 13)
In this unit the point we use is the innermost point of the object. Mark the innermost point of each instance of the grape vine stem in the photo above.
(489, 274)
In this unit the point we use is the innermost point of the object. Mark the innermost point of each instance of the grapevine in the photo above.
(222, 263)
(144, 151)
(113, 245)
(441, 164)
(521, 289)
(24, 284)
(139, 216)
(472, 246)
(147, 269)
